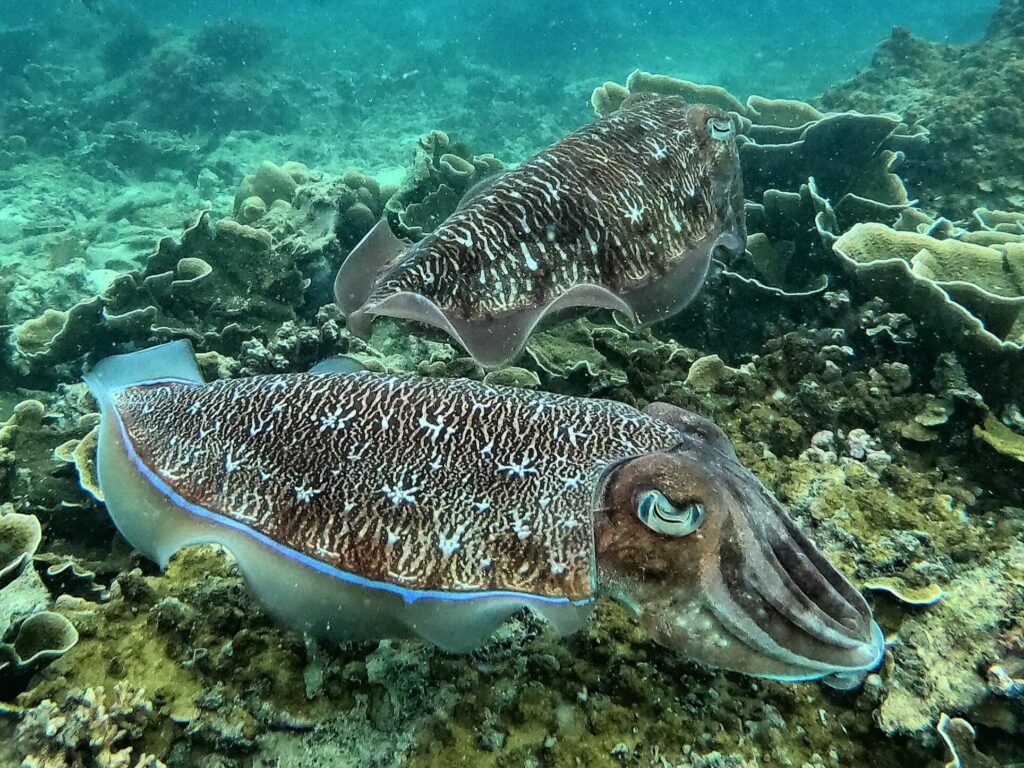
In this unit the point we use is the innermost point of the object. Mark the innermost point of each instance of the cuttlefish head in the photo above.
(714, 568)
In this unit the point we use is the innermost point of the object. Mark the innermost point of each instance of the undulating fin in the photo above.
(504, 339)
(379, 248)
(338, 364)
(174, 360)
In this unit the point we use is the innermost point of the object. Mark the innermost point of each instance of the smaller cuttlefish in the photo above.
(362, 505)
(624, 214)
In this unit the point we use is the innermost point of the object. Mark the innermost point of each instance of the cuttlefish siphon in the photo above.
(362, 505)
(624, 214)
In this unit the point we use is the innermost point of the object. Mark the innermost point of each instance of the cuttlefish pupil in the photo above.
(362, 506)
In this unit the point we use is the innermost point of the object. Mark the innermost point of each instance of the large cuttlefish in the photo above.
(364, 505)
(624, 214)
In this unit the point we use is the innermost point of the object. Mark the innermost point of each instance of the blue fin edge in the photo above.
(408, 595)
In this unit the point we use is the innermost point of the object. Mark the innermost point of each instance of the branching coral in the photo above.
(89, 729)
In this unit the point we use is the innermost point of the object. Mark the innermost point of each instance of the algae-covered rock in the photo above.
(513, 377)
(272, 182)
(709, 372)
(251, 209)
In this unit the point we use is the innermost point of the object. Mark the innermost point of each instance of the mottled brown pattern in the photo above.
(425, 484)
(616, 203)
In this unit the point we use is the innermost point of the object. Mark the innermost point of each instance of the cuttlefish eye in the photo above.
(720, 128)
(662, 516)
(748, 591)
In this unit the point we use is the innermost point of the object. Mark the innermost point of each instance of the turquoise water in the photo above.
(665, 405)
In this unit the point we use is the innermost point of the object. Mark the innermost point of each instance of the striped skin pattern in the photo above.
(424, 484)
(616, 204)
(625, 214)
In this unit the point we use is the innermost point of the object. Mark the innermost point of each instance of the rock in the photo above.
(252, 209)
(272, 182)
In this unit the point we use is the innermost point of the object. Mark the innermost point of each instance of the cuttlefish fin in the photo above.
(379, 248)
(175, 360)
(496, 341)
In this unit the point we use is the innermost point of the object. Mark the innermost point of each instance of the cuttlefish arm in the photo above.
(715, 568)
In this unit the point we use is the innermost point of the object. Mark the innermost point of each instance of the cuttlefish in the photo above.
(625, 214)
(361, 505)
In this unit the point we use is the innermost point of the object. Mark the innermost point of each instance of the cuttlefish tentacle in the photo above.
(363, 505)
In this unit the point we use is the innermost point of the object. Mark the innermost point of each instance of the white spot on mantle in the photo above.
(528, 257)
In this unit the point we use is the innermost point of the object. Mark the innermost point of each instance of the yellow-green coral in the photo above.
(1000, 438)
(978, 289)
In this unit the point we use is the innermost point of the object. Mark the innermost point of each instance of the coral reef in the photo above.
(221, 286)
(441, 174)
(229, 682)
(968, 96)
(861, 356)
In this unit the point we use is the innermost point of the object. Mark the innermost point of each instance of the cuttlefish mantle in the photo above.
(625, 214)
(362, 506)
